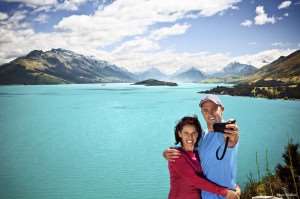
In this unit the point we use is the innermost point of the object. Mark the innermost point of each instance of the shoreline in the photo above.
(262, 89)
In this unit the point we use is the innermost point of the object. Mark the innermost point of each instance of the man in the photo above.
(221, 170)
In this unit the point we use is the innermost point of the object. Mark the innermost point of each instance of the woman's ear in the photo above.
(180, 134)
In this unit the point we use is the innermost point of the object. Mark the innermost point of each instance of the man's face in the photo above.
(212, 113)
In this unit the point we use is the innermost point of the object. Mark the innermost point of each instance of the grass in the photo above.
(284, 182)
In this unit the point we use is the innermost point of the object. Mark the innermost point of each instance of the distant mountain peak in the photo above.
(193, 68)
(234, 69)
(237, 68)
(191, 74)
(35, 53)
(59, 50)
(151, 73)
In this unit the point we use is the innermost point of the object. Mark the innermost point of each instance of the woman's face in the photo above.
(189, 136)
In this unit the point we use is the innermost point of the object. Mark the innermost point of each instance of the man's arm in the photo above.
(171, 154)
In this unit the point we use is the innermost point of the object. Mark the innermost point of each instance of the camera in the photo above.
(220, 127)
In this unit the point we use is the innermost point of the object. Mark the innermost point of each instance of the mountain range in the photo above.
(279, 79)
(58, 66)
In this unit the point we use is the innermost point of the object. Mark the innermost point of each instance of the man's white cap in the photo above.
(213, 98)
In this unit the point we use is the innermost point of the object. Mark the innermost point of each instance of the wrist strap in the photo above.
(224, 151)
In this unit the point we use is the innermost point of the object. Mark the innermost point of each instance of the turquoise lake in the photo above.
(106, 140)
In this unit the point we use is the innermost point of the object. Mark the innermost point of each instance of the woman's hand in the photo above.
(232, 195)
(171, 154)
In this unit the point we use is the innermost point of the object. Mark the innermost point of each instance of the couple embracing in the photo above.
(204, 165)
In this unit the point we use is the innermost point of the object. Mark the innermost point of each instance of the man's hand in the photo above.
(171, 154)
(232, 195)
(238, 190)
(232, 132)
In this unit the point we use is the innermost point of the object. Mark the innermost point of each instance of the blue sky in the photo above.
(139, 34)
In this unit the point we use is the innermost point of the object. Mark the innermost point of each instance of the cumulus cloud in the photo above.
(15, 21)
(35, 3)
(130, 24)
(42, 18)
(3, 16)
(247, 23)
(278, 44)
(124, 18)
(176, 29)
(262, 18)
(170, 61)
(70, 5)
(284, 4)
(51, 5)
(136, 45)
(262, 58)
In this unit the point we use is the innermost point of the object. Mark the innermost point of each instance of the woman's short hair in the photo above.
(187, 120)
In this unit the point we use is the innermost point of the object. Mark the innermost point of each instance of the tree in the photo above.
(289, 173)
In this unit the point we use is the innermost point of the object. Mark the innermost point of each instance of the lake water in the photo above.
(105, 141)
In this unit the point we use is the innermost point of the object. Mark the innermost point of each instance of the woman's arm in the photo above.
(185, 170)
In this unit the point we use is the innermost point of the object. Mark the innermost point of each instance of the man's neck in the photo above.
(210, 128)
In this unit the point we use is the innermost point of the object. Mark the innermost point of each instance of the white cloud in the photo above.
(3, 16)
(247, 23)
(262, 18)
(284, 4)
(125, 18)
(54, 5)
(262, 58)
(278, 44)
(42, 18)
(122, 20)
(279, 18)
(176, 29)
(15, 21)
(137, 45)
(70, 5)
(169, 61)
(34, 3)
(286, 14)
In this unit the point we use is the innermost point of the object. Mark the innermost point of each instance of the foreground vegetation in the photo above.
(283, 183)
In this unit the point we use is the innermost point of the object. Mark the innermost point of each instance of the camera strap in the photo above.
(224, 151)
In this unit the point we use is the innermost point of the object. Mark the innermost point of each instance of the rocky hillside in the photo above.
(286, 69)
(61, 66)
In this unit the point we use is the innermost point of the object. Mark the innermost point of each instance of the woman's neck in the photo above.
(188, 148)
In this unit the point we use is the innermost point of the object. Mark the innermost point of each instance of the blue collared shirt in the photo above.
(222, 172)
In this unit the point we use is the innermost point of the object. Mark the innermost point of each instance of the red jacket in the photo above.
(184, 181)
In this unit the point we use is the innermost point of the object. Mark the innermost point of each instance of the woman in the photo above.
(186, 179)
